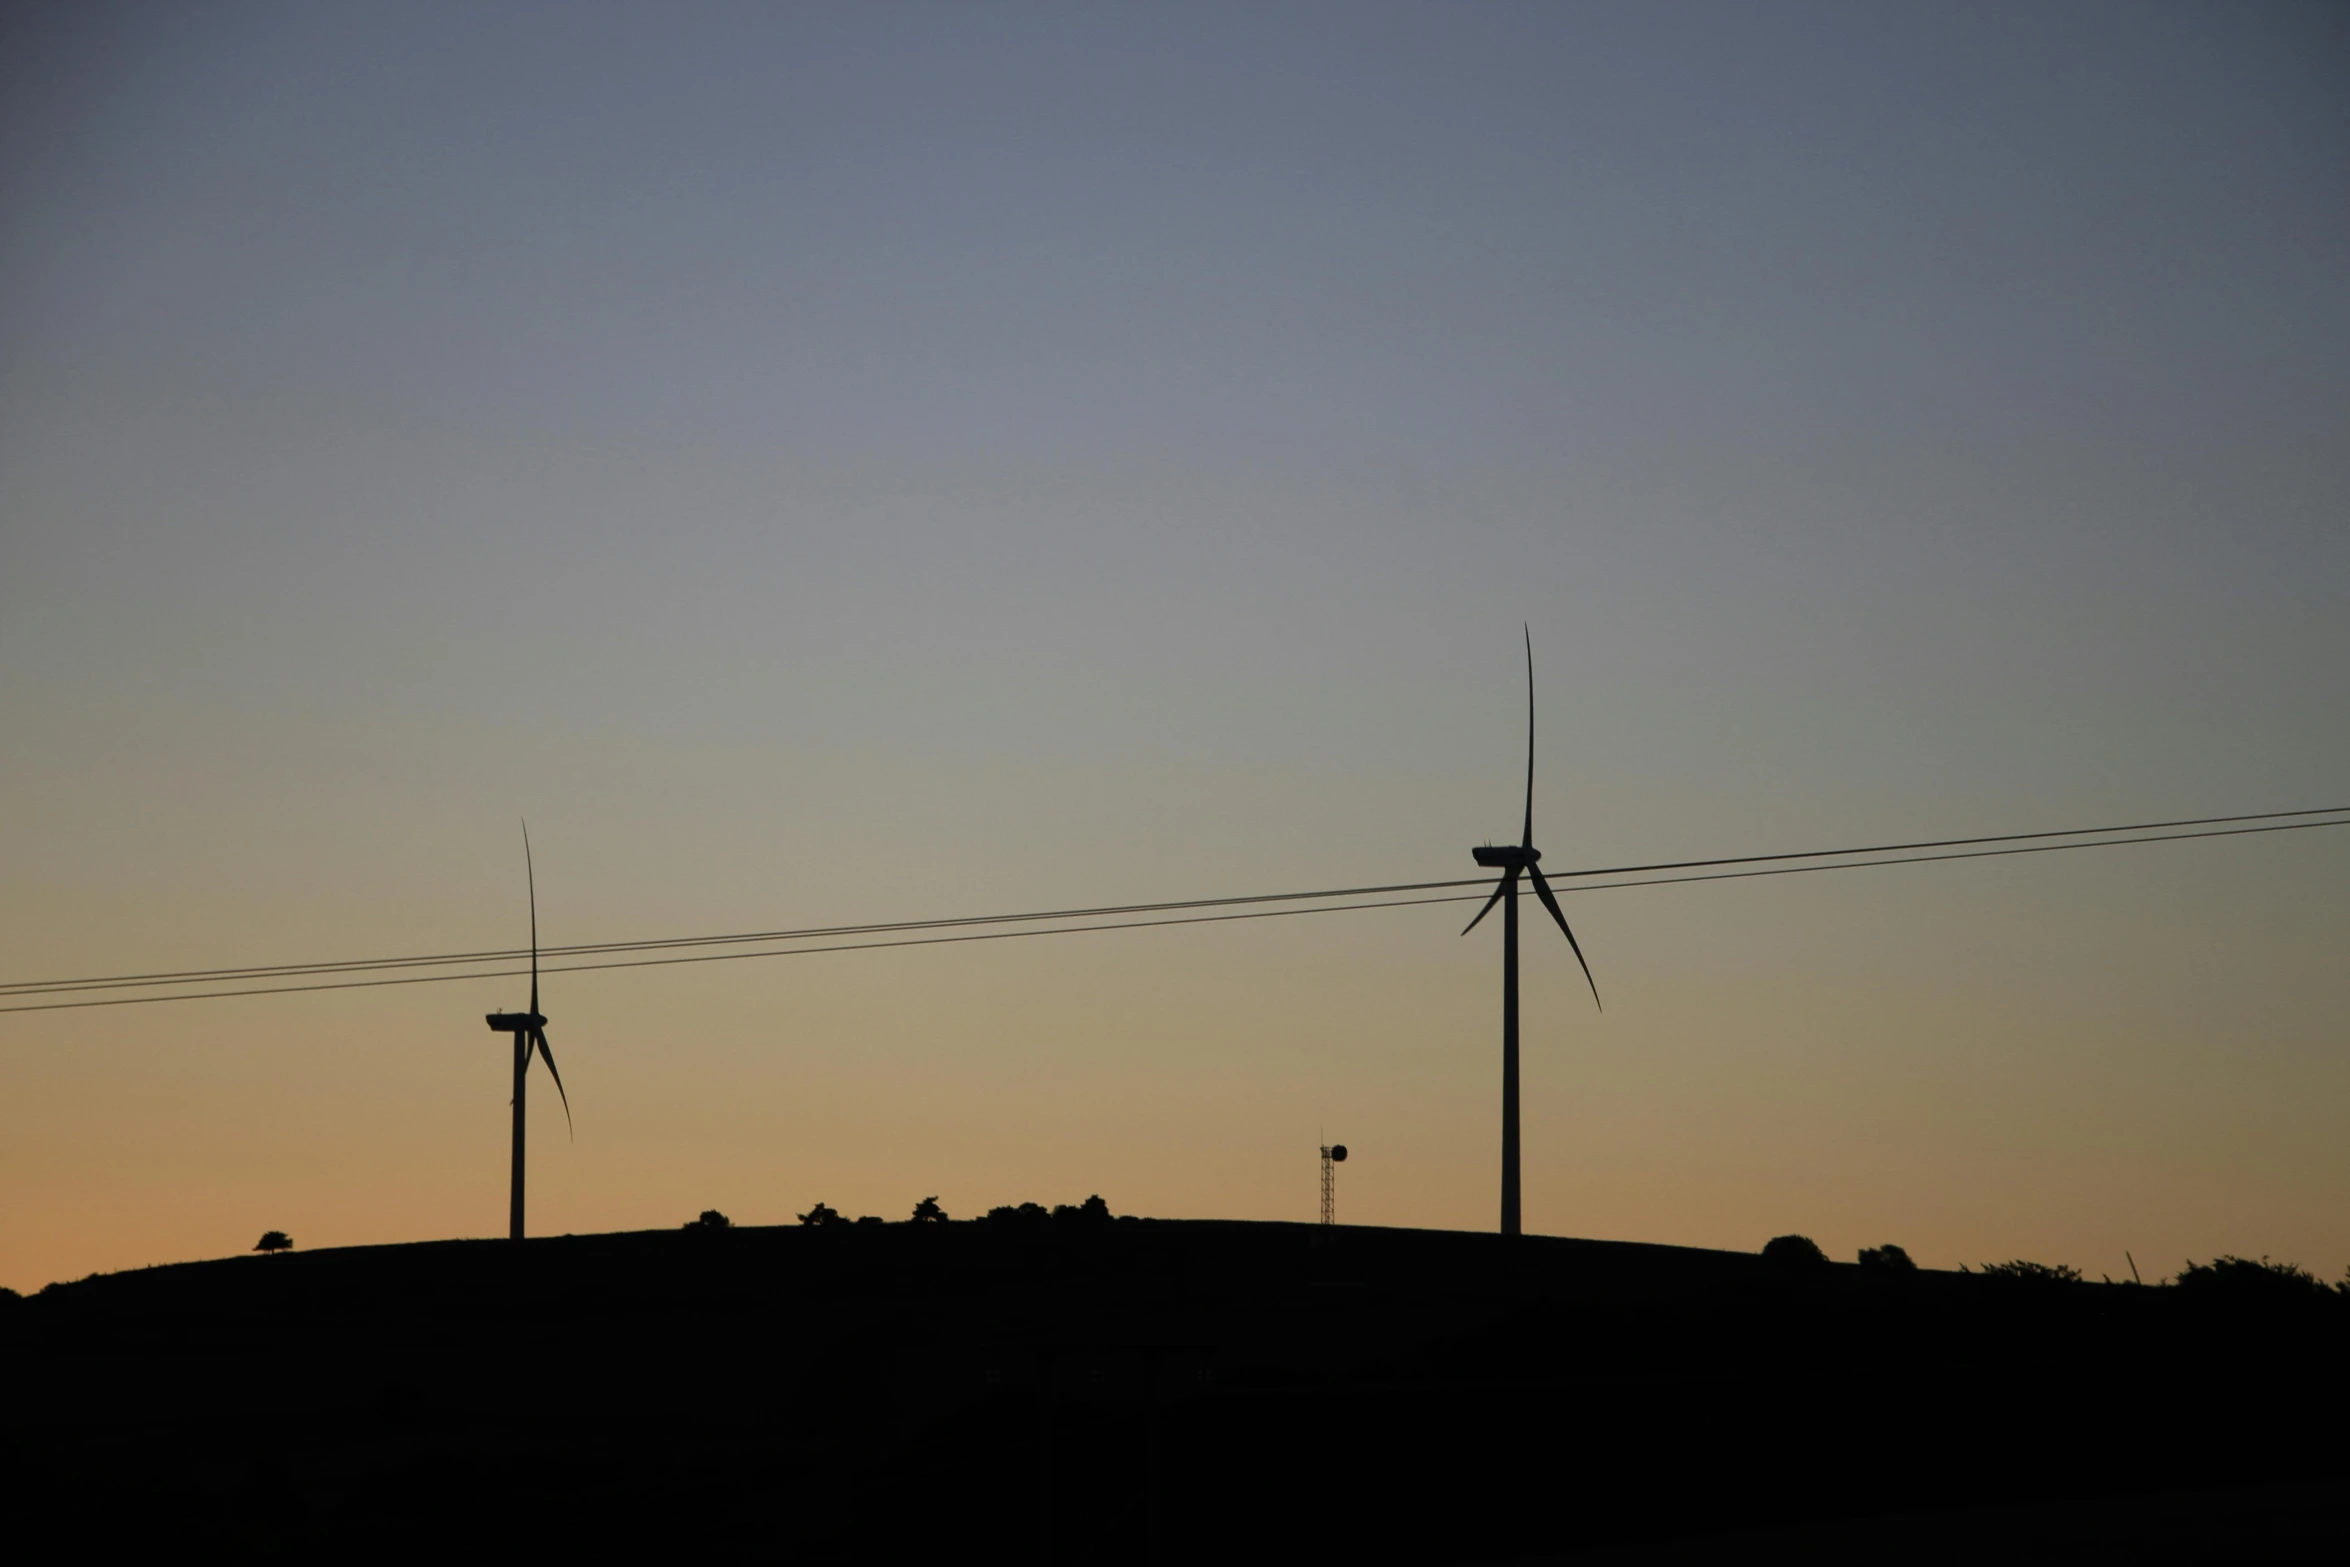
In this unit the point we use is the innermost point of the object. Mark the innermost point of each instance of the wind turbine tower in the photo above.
(529, 1030)
(1514, 861)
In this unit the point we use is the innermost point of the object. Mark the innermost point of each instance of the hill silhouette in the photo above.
(1129, 1390)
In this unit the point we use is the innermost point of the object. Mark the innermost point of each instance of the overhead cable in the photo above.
(822, 932)
(2012, 844)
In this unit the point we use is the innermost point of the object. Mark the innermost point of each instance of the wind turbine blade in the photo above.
(1542, 891)
(1527, 842)
(1499, 888)
(539, 1035)
(531, 875)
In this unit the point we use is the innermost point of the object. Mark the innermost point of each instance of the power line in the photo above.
(2012, 848)
(820, 932)
(1955, 843)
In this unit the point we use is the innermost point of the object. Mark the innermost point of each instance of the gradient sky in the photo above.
(885, 461)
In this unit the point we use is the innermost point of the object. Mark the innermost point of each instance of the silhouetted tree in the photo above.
(1886, 1259)
(927, 1211)
(1794, 1250)
(1085, 1215)
(821, 1214)
(1029, 1215)
(2242, 1279)
(711, 1219)
(868, 1218)
(2023, 1272)
(274, 1240)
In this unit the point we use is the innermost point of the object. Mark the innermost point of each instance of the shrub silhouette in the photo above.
(1794, 1250)
(2242, 1279)
(1086, 1214)
(1886, 1259)
(868, 1218)
(711, 1219)
(2023, 1272)
(1062, 1217)
(927, 1211)
(274, 1240)
(821, 1214)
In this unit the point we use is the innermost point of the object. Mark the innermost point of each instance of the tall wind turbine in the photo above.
(1523, 859)
(529, 1029)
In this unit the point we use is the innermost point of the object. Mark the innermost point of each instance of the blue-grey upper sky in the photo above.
(892, 459)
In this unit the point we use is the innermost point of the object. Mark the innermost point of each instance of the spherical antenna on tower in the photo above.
(1332, 1153)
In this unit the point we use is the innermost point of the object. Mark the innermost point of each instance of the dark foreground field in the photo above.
(1144, 1390)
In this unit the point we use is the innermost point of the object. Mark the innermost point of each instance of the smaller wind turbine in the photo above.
(1520, 859)
(529, 1029)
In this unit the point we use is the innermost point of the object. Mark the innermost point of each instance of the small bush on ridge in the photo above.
(2241, 1278)
(1794, 1250)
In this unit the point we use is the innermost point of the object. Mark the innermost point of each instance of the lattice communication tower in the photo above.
(1332, 1154)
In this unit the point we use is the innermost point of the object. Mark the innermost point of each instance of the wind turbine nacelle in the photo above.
(516, 1022)
(1504, 856)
